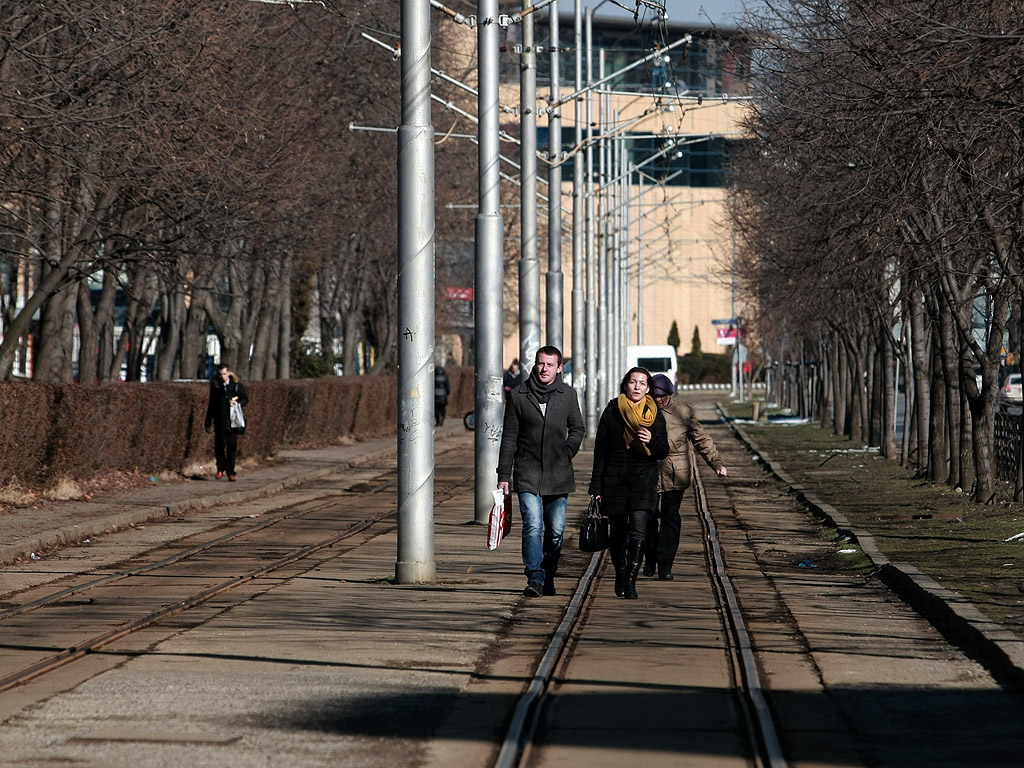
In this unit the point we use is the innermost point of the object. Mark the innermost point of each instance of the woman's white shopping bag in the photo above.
(499, 522)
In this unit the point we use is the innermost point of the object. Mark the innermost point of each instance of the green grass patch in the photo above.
(941, 531)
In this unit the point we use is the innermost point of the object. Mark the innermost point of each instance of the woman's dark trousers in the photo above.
(627, 550)
(663, 534)
(225, 446)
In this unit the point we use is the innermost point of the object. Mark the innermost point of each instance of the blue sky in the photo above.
(718, 12)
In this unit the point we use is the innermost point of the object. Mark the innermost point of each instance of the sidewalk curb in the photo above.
(995, 647)
(142, 513)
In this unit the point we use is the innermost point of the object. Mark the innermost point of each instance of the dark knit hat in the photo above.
(662, 385)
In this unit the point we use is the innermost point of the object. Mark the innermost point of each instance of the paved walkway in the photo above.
(252, 685)
(26, 532)
(48, 524)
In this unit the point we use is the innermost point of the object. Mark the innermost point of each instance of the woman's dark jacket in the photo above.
(540, 446)
(624, 480)
(441, 386)
(220, 400)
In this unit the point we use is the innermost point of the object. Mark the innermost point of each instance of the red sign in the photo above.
(458, 294)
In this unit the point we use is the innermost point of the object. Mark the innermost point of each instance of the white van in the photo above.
(655, 358)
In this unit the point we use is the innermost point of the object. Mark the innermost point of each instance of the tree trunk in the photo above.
(194, 363)
(49, 352)
(938, 444)
(909, 403)
(951, 469)
(350, 341)
(284, 344)
(922, 374)
(263, 322)
(172, 326)
(88, 334)
(888, 394)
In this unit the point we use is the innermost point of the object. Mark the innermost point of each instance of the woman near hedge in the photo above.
(631, 438)
(225, 389)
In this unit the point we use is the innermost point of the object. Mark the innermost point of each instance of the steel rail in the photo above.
(527, 712)
(183, 555)
(762, 723)
(93, 644)
(763, 732)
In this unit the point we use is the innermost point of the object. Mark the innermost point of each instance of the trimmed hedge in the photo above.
(52, 431)
(705, 369)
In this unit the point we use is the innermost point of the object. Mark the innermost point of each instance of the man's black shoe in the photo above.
(534, 589)
(666, 576)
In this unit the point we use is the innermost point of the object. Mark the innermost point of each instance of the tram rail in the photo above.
(322, 660)
(95, 642)
(761, 731)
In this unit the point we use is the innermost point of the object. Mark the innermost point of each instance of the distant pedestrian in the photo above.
(674, 475)
(441, 391)
(225, 389)
(541, 433)
(631, 439)
(513, 377)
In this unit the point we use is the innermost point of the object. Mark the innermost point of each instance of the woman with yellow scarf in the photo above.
(631, 438)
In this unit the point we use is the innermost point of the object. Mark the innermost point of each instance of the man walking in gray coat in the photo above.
(542, 432)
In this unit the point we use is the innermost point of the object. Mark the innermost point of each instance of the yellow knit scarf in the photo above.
(637, 415)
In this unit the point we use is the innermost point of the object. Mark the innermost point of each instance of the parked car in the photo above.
(1011, 388)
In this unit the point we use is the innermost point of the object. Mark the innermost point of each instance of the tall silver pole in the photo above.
(592, 374)
(581, 365)
(489, 267)
(554, 285)
(529, 265)
(640, 260)
(613, 244)
(605, 363)
(736, 343)
(626, 241)
(415, 304)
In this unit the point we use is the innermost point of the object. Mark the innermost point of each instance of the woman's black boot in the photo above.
(634, 556)
(618, 555)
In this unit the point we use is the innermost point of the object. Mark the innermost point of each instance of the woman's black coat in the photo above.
(217, 410)
(625, 481)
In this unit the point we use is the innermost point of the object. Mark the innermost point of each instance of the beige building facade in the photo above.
(670, 124)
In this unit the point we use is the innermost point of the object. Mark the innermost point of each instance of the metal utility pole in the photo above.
(640, 260)
(554, 286)
(487, 292)
(415, 304)
(592, 372)
(529, 265)
(604, 253)
(736, 345)
(580, 350)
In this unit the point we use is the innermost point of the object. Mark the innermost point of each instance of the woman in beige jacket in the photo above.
(674, 475)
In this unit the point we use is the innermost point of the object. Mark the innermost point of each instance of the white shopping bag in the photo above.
(499, 522)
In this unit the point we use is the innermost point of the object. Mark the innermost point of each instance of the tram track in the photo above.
(353, 505)
(760, 731)
(750, 692)
(327, 662)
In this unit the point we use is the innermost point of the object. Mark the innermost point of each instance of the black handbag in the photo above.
(593, 529)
